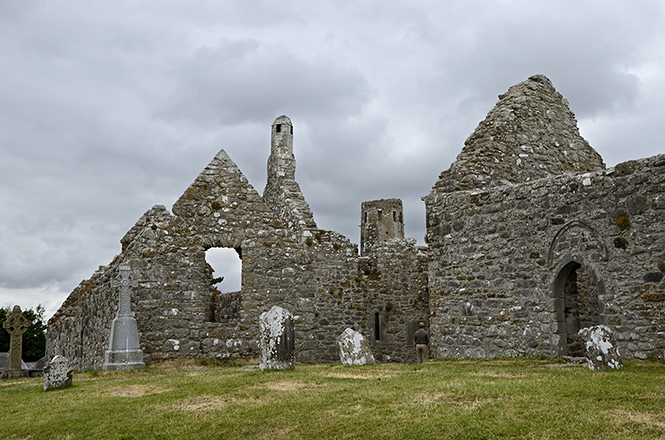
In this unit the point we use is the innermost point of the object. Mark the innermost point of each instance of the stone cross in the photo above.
(124, 305)
(124, 351)
(16, 325)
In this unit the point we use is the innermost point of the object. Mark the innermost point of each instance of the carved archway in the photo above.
(576, 224)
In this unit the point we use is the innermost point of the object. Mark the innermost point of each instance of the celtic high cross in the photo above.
(16, 325)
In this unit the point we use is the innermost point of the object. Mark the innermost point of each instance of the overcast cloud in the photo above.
(108, 108)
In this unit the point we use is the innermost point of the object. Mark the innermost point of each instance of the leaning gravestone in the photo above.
(601, 350)
(124, 351)
(277, 341)
(16, 325)
(57, 373)
(354, 348)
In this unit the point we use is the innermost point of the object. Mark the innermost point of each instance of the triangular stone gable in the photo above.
(531, 133)
(222, 201)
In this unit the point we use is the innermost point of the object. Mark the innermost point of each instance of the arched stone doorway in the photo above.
(576, 305)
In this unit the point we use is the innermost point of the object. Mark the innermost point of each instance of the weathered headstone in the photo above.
(124, 351)
(58, 373)
(354, 348)
(16, 325)
(601, 350)
(277, 341)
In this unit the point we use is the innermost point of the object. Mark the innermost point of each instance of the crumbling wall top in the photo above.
(531, 133)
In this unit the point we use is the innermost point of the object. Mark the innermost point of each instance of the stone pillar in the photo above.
(124, 351)
(277, 340)
(16, 325)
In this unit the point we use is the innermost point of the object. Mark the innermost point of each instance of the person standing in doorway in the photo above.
(421, 343)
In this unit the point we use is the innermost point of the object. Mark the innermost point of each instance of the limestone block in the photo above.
(57, 373)
(354, 349)
(601, 350)
(277, 340)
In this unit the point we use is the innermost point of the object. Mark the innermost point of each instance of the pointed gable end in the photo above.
(222, 197)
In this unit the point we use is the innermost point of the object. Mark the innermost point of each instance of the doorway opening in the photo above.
(576, 306)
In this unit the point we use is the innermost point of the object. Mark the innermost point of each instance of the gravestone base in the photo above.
(123, 360)
(14, 374)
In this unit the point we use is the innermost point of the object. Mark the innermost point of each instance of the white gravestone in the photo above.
(354, 348)
(277, 341)
(601, 350)
(57, 373)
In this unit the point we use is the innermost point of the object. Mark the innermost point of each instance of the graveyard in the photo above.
(541, 286)
(465, 399)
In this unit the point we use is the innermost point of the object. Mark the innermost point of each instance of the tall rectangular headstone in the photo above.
(277, 342)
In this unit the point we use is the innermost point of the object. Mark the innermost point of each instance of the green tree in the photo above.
(34, 338)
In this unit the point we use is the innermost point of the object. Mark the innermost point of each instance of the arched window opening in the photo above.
(227, 269)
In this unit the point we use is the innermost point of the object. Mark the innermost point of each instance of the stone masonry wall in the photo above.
(499, 257)
(315, 274)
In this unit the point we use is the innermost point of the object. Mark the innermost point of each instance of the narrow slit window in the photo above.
(394, 216)
(278, 128)
(380, 215)
(377, 326)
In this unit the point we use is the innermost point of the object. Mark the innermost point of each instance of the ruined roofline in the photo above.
(529, 134)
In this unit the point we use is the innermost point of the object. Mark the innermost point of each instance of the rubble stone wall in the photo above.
(499, 257)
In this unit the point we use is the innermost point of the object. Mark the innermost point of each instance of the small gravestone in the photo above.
(277, 341)
(354, 348)
(601, 350)
(16, 325)
(124, 351)
(57, 373)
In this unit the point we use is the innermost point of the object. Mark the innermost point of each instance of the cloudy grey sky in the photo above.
(108, 108)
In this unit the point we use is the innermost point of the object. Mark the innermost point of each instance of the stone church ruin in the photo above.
(530, 238)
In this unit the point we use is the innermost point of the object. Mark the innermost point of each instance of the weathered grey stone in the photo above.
(16, 325)
(601, 350)
(277, 340)
(354, 349)
(124, 351)
(529, 239)
(58, 373)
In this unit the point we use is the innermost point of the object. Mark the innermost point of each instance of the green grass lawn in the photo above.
(516, 398)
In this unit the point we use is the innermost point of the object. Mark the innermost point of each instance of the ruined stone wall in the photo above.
(501, 258)
(174, 299)
(530, 134)
(315, 274)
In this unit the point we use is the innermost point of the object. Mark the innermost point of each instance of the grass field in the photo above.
(516, 398)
